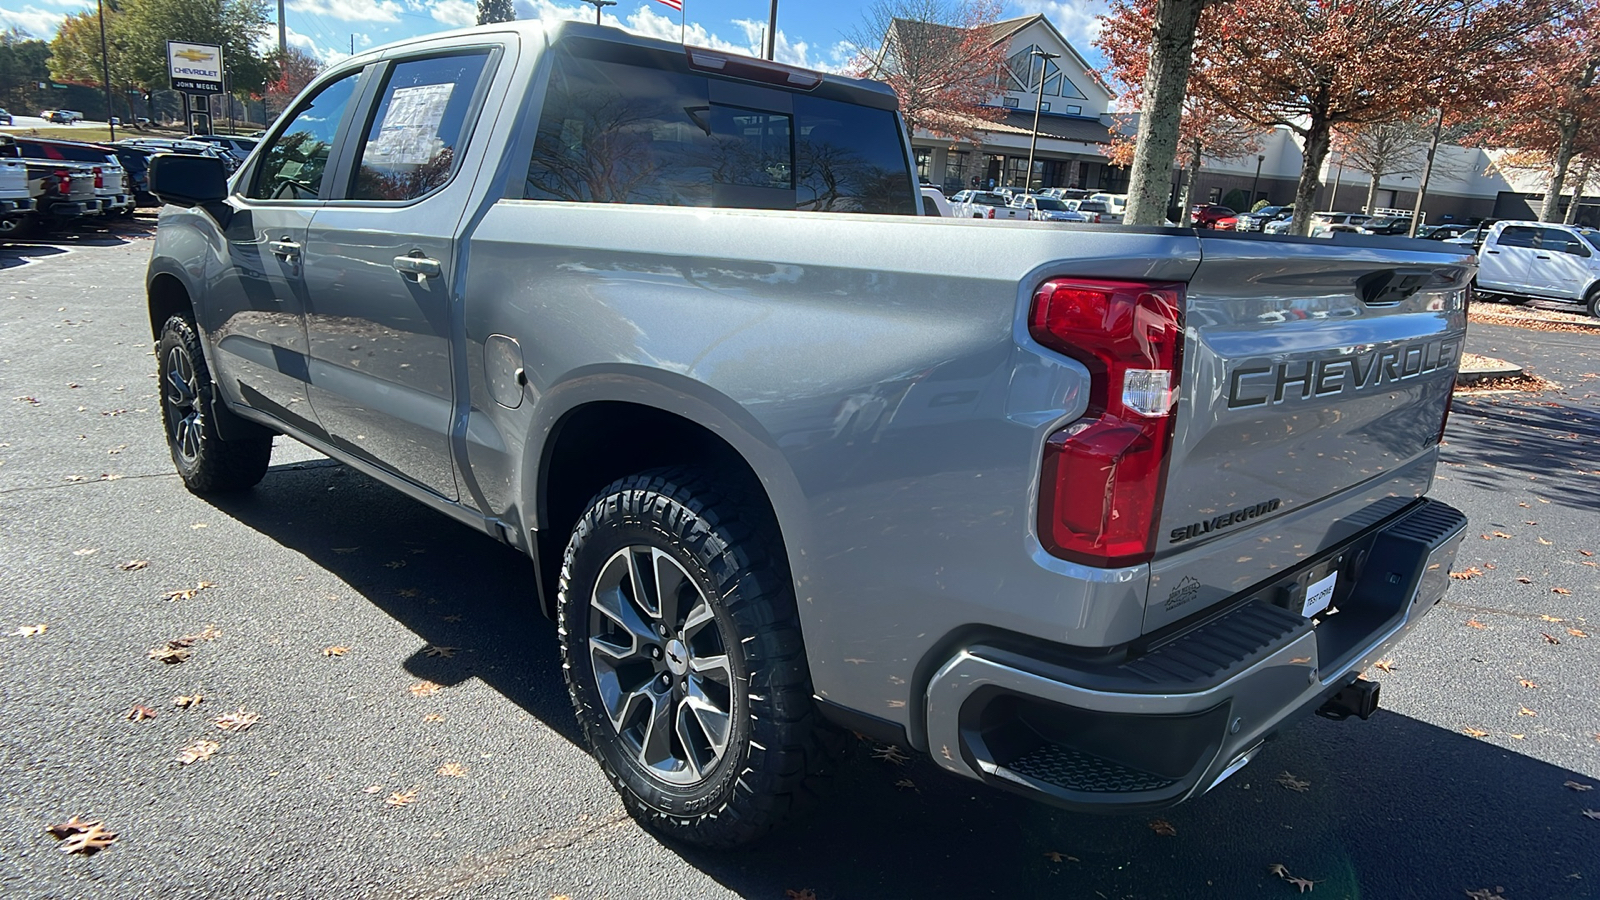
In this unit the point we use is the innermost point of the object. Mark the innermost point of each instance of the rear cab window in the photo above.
(1516, 236)
(625, 124)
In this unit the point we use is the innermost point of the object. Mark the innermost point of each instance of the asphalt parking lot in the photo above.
(412, 737)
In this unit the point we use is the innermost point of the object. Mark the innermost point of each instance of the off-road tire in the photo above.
(207, 463)
(779, 751)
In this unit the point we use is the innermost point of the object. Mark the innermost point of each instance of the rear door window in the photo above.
(1561, 242)
(612, 132)
(1517, 236)
(411, 145)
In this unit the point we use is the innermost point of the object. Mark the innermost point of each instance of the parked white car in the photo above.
(1538, 259)
(1116, 207)
(934, 203)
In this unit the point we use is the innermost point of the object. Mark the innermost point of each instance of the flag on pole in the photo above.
(675, 4)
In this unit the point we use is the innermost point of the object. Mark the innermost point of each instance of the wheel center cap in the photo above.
(677, 657)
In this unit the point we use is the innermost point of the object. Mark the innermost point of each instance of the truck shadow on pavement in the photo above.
(1392, 808)
(1496, 443)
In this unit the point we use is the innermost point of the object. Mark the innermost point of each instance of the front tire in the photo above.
(1593, 301)
(207, 463)
(682, 652)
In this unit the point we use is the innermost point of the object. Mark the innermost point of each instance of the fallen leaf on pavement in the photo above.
(1578, 786)
(29, 630)
(197, 751)
(140, 713)
(1524, 581)
(170, 654)
(1515, 737)
(335, 650)
(1299, 659)
(78, 836)
(134, 565)
(1559, 591)
(1385, 665)
(443, 652)
(1545, 542)
(1292, 783)
(1592, 813)
(906, 784)
(1464, 574)
(1469, 731)
(397, 564)
(1550, 639)
(401, 798)
(1551, 619)
(86, 551)
(1163, 828)
(889, 753)
(1054, 856)
(237, 721)
(1303, 884)
(1526, 712)
(1586, 552)
(433, 717)
(1278, 869)
(1502, 534)
(1474, 623)
(183, 702)
(188, 593)
(1576, 633)
(1526, 683)
(372, 790)
(424, 689)
(451, 770)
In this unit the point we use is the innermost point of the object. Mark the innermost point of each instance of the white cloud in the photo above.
(1079, 21)
(350, 10)
(35, 22)
(458, 13)
(326, 55)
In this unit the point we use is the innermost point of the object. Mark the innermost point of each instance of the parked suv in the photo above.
(1256, 221)
(1206, 215)
(1537, 259)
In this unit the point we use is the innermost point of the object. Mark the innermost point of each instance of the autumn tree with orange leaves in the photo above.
(940, 57)
(1552, 106)
(1315, 65)
(296, 69)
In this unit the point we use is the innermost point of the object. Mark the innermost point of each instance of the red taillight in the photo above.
(61, 182)
(99, 179)
(1104, 475)
(991, 212)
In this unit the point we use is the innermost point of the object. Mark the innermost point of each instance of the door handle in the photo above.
(1492, 251)
(1541, 256)
(285, 248)
(415, 268)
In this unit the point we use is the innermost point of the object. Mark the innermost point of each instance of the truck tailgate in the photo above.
(1315, 381)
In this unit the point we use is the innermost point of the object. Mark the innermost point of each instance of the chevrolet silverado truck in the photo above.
(1082, 513)
(56, 191)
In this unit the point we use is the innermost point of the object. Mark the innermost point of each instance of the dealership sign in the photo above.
(195, 68)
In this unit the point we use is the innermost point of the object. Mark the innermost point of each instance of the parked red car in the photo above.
(1207, 215)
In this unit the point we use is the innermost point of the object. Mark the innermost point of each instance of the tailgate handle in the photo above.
(1386, 287)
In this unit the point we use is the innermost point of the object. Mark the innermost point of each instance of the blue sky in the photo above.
(809, 33)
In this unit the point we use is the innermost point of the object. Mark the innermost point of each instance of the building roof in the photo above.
(1085, 131)
(999, 32)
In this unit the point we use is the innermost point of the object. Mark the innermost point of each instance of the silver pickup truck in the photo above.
(1083, 513)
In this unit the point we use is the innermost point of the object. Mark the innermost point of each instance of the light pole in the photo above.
(598, 5)
(772, 31)
(105, 70)
(1044, 61)
(1260, 158)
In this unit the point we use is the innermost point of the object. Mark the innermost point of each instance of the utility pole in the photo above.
(1260, 158)
(283, 33)
(1038, 103)
(598, 5)
(105, 70)
(772, 32)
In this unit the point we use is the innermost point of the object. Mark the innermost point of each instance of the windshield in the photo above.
(988, 199)
(1268, 211)
(1050, 203)
(1092, 206)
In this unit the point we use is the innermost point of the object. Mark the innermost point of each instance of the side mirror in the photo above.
(184, 180)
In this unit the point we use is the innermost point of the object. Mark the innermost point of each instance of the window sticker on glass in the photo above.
(409, 135)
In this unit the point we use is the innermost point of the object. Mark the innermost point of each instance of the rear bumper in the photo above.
(71, 209)
(1154, 728)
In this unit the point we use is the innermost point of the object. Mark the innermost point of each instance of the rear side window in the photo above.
(1561, 242)
(1517, 236)
(410, 147)
(611, 132)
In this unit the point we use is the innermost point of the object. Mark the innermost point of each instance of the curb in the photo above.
(1473, 376)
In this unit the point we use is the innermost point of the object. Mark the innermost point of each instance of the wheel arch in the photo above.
(167, 296)
(592, 442)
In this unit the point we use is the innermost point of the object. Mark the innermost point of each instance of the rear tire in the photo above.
(207, 463)
(681, 647)
(17, 228)
(1593, 301)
